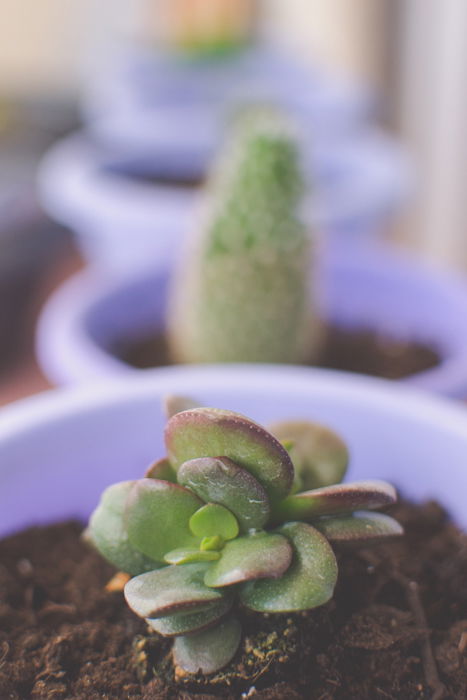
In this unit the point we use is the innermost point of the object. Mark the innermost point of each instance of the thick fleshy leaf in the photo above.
(161, 469)
(210, 650)
(212, 543)
(173, 404)
(185, 556)
(307, 583)
(108, 533)
(213, 519)
(362, 528)
(170, 590)
(157, 515)
(220, 480)
(319, 455)
(187, 622)
(260, 555)
(211, 432)
(340, 498)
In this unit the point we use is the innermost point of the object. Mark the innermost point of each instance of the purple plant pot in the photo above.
(142, 100)
(59, 451)
(122, 218)
(85, 319)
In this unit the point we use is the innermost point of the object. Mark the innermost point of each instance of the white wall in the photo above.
(431, 99)
(47, 45)
(345, 34)
(38, 44)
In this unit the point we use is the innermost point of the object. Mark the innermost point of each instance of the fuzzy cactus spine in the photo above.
(242, 291)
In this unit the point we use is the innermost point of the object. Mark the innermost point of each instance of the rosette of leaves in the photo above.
(234, 516)
(242, 288)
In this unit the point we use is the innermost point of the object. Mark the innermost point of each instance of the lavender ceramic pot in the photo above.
(58, 451)
(126, 210)
(88, 317)
(143, 100)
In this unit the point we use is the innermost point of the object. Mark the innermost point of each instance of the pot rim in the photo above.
(373, 176)
(63, 326)
(123, 101)
(107, 431)
(39, 409)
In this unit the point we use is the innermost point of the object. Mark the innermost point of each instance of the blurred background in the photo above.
(395, 68)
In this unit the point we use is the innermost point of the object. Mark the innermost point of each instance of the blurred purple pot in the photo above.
(126, 211)
(58, 451)
(85, 319)
(147, 101)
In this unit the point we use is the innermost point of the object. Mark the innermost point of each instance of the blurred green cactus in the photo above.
(241, 293)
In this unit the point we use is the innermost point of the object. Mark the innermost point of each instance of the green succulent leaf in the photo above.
(307, 583)
(212, 520)
(176, 404)
(188, 622)
(220, 480)
(186, 556)
(255, 556)
(361, 528)
(210, 432)
(212, 543)
(210, 650)
(171, 590)
(319, 455)
(337, 499)
(161, 469)
(107, 532)
(157, 515)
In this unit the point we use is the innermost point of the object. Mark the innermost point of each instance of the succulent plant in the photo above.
(221, 522)
(241, 292)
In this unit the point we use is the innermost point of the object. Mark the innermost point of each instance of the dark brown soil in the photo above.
(362, 351)
(189, 183)
(397, 627)
(367, 352)
(146, 176)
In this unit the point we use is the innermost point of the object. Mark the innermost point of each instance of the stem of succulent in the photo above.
(241, 293)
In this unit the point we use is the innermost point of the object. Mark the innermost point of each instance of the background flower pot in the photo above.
(58, 451)
(87, 317)
(143, 99)
(122, 216)
(30, 245)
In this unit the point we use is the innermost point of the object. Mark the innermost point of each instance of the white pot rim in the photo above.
(38, 410)
(368, 175)
(67, 350)
(75, 189)
(60, 450)
(124, 102)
